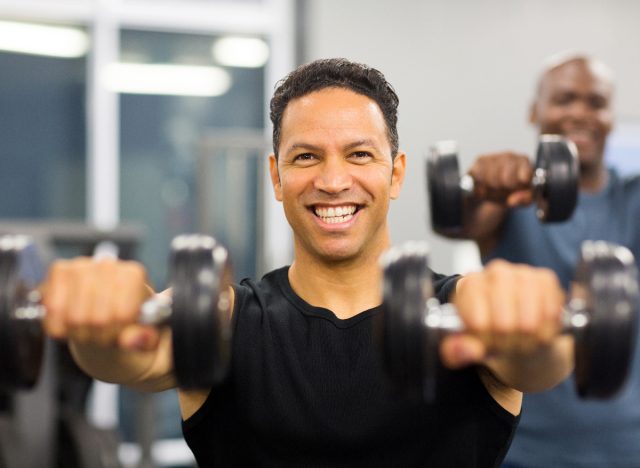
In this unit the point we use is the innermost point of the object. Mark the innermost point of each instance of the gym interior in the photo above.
(128, 122)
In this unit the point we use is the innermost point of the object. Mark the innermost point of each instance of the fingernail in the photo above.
(464, 354)
(137, 343)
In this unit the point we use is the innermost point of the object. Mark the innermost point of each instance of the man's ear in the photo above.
(397, 176)
(275, 176)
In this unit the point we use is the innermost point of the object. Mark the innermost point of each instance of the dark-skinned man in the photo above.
(573, 98)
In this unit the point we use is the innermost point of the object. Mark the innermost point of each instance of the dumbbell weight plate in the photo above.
(445, 194)
(410, 349)
(558, 157)
(200, 316)
(21, 341)
(606, 280)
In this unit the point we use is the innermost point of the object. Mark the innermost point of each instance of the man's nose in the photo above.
(580, 109)
(334, 176)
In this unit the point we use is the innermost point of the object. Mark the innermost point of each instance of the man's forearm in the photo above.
(537, 371)
(141, 370)
(481, 222)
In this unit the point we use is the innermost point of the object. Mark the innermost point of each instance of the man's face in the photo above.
(335, 174)
(574, 100)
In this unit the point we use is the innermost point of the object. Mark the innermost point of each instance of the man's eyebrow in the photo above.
(312, 147)
(302, 145)
(363, 142)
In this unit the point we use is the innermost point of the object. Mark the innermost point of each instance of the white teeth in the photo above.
(337, 219)
(334, 215)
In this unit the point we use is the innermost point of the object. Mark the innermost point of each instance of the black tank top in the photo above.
(308, 389)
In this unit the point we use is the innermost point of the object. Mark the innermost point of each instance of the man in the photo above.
(574, 99)
(307, 386)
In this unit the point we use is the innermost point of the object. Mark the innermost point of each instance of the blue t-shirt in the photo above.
(557, 429)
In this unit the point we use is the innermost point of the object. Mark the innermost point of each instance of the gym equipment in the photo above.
(80, 444)
(555, 182)
(601, 315)
(198, 314)
(13, 449)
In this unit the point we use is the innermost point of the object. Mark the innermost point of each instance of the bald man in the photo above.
(573, 98)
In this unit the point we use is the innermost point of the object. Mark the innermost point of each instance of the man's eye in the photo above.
(597, 102)
(304, 157)
(361, 155)
(563, 99)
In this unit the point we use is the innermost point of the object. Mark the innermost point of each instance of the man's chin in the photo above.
(590, 154)
(338, 255)
(590, 165)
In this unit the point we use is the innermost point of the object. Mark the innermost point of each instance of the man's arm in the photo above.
(511, 314)
(501, 182)
(483, 222)
(535, 371)
(506, 377)
(95, 306)
(148, 371)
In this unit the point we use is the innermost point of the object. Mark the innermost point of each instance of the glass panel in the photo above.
(230, 171)
(623, 147)
(43, 132)
(179, 170)
(162, 138)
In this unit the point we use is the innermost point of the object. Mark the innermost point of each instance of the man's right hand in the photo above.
(503, 178)
(97, 302)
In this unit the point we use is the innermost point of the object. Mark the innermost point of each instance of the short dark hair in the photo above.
(336, 73)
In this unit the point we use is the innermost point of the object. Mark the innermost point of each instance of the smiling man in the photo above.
(573, 98)
(334, 172)
(307, 385)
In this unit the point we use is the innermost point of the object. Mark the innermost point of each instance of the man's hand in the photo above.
(503, 178)
(97, 303)
(507, 310)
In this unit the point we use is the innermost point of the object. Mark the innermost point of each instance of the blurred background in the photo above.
(139, 120)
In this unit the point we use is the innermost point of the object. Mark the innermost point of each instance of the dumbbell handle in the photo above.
(154, 311)
(539, 179)
(445, 318)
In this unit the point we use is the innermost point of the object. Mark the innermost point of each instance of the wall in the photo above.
(465, 70)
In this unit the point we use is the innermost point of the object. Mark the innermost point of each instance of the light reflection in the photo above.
(37, 39)
(247, 52)
(167, 79)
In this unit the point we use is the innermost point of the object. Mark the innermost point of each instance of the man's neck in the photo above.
(593, 179)
(346, 288)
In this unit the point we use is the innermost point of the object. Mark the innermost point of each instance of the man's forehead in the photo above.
(330, 107)
(332, 96)
(571, 75)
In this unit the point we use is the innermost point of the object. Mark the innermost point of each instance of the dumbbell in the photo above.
(601, 315)
(198, 313)
(554, 182)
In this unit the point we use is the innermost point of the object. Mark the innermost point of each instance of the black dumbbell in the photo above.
(198, 313)
(601, 315)
(554, 182)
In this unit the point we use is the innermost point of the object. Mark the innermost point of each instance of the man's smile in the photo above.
(335, 214)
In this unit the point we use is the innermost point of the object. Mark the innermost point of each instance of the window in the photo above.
(173, 179)
(82, 139)
(623, 147)
(43, 131)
